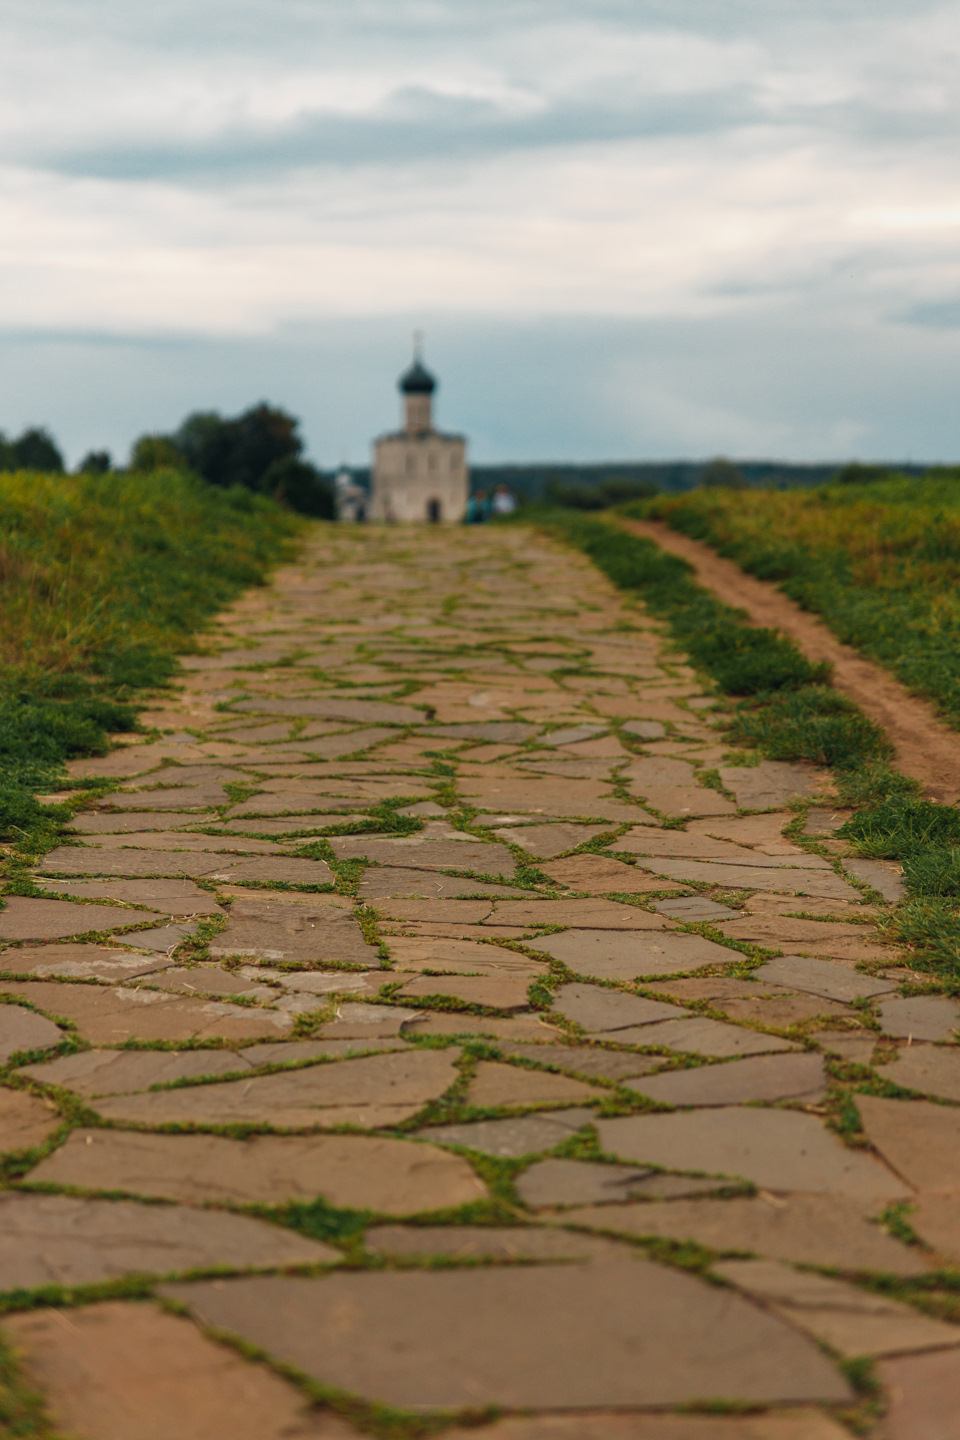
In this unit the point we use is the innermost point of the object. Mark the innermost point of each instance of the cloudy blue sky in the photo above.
(629, 228)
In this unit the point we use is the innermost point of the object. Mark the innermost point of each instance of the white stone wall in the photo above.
(411, 471)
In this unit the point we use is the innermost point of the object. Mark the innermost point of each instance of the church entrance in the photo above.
(433, 511)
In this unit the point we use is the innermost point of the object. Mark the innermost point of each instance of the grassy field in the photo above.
(879, 561)
(102, 579)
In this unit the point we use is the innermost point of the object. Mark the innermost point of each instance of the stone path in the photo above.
(437, 1012)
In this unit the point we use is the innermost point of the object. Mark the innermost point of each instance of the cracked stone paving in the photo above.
(436, 1023)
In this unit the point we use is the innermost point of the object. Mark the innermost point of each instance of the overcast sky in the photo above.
(628, 228)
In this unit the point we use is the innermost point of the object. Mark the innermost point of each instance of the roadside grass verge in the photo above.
(880, 561)
(785, 707)
(103, 579)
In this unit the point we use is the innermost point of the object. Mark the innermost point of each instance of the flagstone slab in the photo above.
(764, 831)
(523, 793)
(548, 1336)
(355, 1172)
(205, 979)
(856, 1049)
(936, 1219)
(494, 992)
(360, 1021)
(483, 1242)
(609, 1010)
(554, 1182)
(372, 1092)
(63, 1240)
(613, 955)
(880, 875)
(780, 1011)
(178, 777)
(511, 1139)
(108, 1015)
(699, 1036)
(170, 897)
(392, 882)
(792, 880)
(659, 770)
(418, 852)
(302, 826)
(824, 1230)
(263, 929)
(592, 914)
(682, 845)
(121, 1369)
(824, 938)
(931, 1069)
(80, 962)
(797, 1077)
(465, 912)
(922, 1394)
(362, 711)
(545, 841)
(770, 784)
(494, 1085)
(601, 875)
(24, 918)
(851, 1320)
(122, 822)
(585, 1059)
(25, 1120)
(514, 1027)
(186, 840)
(463, 957)
(685, 800)
(181, 798)
(792, 1424)
(693, 908)
(776, 1149)
(921, 1017)
(72, 860)
(23, 1030)
(919, 1139)
(120, 1072)
(511, 732)
(819, 977)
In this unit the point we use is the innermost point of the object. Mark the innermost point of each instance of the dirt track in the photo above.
(925, 748)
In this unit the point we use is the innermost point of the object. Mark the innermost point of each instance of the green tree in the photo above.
(36, 449)
(239, 451)
(95, 462)
(155, 452)
(722, 474)
(300, 485)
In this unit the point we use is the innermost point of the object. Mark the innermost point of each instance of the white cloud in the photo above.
(230, 169)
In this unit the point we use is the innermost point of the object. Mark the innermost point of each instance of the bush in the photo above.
(301, 486)
(721, 474)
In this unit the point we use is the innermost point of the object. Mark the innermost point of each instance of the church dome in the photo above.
(417, 380)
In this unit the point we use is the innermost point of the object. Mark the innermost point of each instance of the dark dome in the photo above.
(417, 380)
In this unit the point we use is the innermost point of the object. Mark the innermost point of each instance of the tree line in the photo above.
(260, 449)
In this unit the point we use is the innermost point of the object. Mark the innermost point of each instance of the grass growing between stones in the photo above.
(105, 578)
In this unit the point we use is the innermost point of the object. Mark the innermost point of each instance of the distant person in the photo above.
(504, 501)
(476, 511)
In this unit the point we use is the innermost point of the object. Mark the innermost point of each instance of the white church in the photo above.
(419, 474)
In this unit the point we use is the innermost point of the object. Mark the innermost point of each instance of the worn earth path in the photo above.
(435, 1026)
(925, 748)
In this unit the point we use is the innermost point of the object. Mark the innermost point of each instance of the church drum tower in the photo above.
(419, 474)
